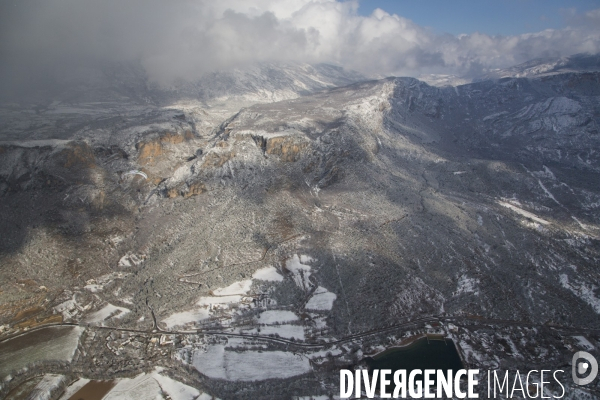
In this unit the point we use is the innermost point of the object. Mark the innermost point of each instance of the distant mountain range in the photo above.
(547, 66)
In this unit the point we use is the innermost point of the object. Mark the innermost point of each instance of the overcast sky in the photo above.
(185, 38)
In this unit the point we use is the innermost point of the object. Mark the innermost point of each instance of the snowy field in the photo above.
(186, 317)
(276, 316)
(55, 343)
(283, 331)
(322, 299)
(219, 363)
(152, 385)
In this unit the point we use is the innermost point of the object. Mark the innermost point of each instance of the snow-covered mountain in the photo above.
(540, 67)
(548, 66)
(304, 233)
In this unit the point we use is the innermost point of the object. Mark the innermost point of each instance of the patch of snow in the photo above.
(582, 225)
(97, 284)
(306, 259)
(467, 285)
(300, 272)
(274, 316)
(43, 390)
(550, 195)
(176, 390)
(116, 239)
(68, 309)
(94, 288)
(584, 291)
(319, 321)
(548, 173)
(153, 385)
(584, 343)
(469, 353)
(494, 116)
(205, 396)
(221, 298)
(322, 299)
(53, 343)
(563, 105)
(131, 260)
(219, 363)
(268, 274)
(236, 288)
(142, 386)
(186, 317)
(524, 213)
(109, 311)
(233, 293)
(209, 301)
(323, 353)
(284, 331)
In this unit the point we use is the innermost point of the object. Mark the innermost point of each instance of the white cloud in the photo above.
(186, 38)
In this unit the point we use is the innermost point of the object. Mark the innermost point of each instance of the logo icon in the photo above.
(584, 363)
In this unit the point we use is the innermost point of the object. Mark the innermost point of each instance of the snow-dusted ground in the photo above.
(219, 363)
(585, 291)
(222, 298)
(466, 284)
(451, 216)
